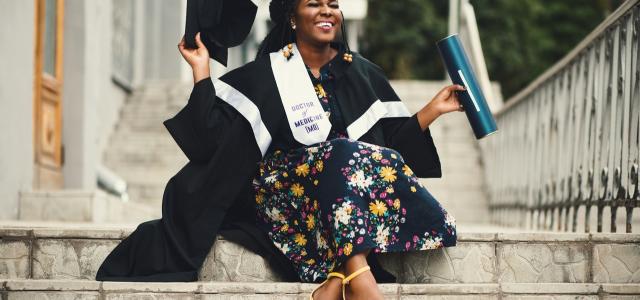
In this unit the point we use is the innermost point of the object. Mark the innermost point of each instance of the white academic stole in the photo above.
(307, 119)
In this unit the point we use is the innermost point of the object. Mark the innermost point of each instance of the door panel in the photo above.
(48, 94)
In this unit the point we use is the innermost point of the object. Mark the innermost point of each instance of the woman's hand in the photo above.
(198, 59)
(445, 101)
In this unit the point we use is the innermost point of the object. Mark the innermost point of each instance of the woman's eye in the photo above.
(333, 5)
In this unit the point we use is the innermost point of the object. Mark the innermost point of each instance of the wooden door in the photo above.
(48, 94)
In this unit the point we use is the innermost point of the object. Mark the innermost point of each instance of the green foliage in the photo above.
(520, 38)
(400, 36)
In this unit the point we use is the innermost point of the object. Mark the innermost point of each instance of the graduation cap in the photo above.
(222, 24)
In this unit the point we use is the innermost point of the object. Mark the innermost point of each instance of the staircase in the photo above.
(69, 205)
(140, 149)
(60, 262)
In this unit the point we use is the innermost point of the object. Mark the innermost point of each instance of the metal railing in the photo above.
(569, 142)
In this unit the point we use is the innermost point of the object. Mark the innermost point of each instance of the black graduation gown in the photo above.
(224, 140)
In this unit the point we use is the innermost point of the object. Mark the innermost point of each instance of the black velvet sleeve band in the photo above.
(416, 147)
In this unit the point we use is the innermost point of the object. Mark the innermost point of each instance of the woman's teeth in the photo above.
(324, 25)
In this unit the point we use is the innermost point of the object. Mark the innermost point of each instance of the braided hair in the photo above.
(281, 33)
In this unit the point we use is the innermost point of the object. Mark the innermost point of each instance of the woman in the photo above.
(331, 152)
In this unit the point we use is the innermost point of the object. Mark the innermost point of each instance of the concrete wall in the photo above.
(108, 116)
(86, 70)
(163, 28)
(92, 101)
(16, 102)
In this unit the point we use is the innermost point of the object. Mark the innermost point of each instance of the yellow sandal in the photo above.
(346, 280)
(332, 274)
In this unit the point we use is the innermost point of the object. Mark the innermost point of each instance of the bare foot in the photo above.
(363, 287)
(332, 290)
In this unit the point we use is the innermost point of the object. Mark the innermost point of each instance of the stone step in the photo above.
(144, 138)
(171, 151)
(152, 108)
(142, 171)
(169, 89)
(156, 161)
(141, 134)
(84, 290)
(136, 175)
(149, 107)
(147, 118)
(137, 139)
(143, 103)
(506, 256)
(152, 160)
(147, 194)
(81, 206)
(140, 99)
(151, 128)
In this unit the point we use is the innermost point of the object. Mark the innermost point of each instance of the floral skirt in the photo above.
(324, 203)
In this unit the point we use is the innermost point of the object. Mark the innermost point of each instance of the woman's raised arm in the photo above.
(197, 58)
(199, 127)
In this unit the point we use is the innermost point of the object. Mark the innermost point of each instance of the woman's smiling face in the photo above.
(317, 21)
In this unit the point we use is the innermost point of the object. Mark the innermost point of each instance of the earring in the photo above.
(288, 52)
(293, 25)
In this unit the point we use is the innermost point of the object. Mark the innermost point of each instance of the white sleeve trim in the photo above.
(248, 110)
(377, 111)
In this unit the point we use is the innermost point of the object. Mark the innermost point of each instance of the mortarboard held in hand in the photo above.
(472, 99)
(222, 24)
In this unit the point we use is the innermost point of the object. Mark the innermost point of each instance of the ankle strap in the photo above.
(335, 274)
(355, 274)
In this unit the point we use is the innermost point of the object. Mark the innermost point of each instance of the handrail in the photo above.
(112, 183)
(570, 140)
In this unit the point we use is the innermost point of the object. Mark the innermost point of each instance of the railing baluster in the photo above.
(589, 137)
(613, 104)
(599, 169)
(635, 120)
(575, 112)
(579, 89)
(606, 122)
(625, 121)
(544, 140)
